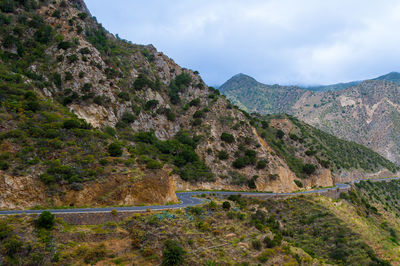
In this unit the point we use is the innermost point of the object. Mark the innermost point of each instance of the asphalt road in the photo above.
(186, 200)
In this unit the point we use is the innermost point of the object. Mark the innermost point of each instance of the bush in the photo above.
(195, 102)
(151, 104)
(3, 165)
(239, 163)
(173, 253)
(7, 6)
(226, 205)
(65, 45)
(153, 164)
(124, 96)
(298, 183)
(222, 155)
(261, 164)
(228, 138)
(308, 169)
(170, 115)
(46, 220)
(280, 134)
(71, 123)
(256, 244)
(83, 15)
(115, 149)
(197, 122)
(128, 118)
(142, 82)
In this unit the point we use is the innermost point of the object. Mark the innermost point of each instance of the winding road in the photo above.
(186, 199)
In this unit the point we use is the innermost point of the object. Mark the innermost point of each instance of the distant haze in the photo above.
(280, 41)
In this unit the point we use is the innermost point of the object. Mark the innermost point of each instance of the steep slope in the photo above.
(366, 113)
(90, 119)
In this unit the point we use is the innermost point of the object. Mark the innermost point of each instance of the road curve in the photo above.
(186, 200)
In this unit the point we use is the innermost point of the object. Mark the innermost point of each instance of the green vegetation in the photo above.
(115, 149)
(329, 151)
(179, 151)
(228, 138)
(173, 253)
(46, 220)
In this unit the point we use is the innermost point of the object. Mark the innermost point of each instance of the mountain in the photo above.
(392, 77)
(274, 98)
(367, 113)
(88, 119)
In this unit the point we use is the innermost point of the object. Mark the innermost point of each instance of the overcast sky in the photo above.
(275, 41)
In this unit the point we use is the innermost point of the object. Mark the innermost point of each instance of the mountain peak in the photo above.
(392, 77)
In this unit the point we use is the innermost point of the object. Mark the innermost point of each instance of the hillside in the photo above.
(366, 113)
(88, 119)
(359, 228)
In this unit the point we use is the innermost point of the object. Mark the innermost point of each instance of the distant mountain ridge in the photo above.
(367, 112)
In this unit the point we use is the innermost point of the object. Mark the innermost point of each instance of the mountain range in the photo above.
(89, 119)
(366, 112)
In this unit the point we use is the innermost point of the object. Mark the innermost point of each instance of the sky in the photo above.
(296, 42)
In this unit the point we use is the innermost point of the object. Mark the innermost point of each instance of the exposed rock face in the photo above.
(368, 113)
(130, 189)
(19, 192)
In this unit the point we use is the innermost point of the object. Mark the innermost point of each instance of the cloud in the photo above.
(276, 41)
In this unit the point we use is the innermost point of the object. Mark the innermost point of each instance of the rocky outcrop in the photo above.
(155, 187)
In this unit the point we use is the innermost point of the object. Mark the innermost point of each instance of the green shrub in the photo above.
(195, 102)
(82, 15)
(256, 244)
(173, 253)
(226, 205)
(115, 149)
(124, 96)
(128, 118)
(261, 164)
(65, 45)
(298, 183)
(151, 104)
(222, 155)
(280, 134)
(308, 169)
(71, 123)
(3, 165)
(7, 6)
(72, 58)
(198, 114)
(228, 138)
(170, 115)
(153, 164)
(142, 82)
(46, 220)
(196, 122)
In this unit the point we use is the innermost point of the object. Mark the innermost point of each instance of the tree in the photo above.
(46, 220)
(115, 149)
(173, 253)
